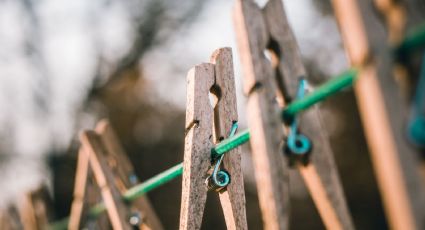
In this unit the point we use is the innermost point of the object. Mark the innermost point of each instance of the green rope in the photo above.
(131, 194)
(328, 89)
(230, 143)
(154, 182)
(331, 87)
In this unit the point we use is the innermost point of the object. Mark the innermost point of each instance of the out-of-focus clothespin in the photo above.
(143, 214)
(273, 70)
(117, 210)
(102, 156)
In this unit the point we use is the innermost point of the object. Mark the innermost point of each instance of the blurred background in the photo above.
(64, 65)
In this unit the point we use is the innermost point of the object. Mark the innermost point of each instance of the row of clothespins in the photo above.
(207, 125)
(104, 173)
(102, 157)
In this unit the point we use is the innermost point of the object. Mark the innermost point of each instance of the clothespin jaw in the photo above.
(207, 125)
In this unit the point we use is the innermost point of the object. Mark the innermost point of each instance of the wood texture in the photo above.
(322, 178)
(123, 170)
(78, 206)
(382, 111)
(225, 114)
(116, 209)
(198, 144)
(271, 170)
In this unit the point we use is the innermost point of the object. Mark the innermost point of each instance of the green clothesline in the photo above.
(330, 88)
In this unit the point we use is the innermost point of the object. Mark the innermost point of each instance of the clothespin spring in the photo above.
(135, 220)
(219, 179)
(297, 144)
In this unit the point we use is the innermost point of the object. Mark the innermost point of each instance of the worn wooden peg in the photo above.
(205, 126)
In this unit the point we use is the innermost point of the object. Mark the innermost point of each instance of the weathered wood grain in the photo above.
(116, 208)
(124, 170)
(225, 114)
(382, 111)
(271, 170)
(198, 144)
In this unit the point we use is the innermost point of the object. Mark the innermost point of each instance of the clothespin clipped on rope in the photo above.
(219, 179)
(270, 85)
(206, 126)
(142, 213)
(102, 153)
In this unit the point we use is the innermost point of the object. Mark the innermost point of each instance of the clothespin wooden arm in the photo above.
(271, 170)
(198, 144)
(225, 115)
(80, 187)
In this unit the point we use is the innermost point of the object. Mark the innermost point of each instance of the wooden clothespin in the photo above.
(381, 104)
(116, 209)
(126, 177)
(114, 174)
(206, 126)
(267, 30)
